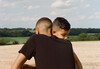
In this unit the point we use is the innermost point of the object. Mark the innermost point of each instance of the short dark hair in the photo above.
(61, 23)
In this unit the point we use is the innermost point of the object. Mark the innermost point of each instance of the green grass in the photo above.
(21, 40)
(73, 38)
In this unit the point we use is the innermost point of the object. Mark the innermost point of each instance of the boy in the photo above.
(59, 31)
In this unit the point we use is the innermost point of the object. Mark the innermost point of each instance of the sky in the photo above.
(25, 13)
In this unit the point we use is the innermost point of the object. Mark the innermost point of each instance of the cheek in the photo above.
(63, 35)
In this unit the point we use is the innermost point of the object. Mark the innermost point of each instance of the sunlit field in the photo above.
(87, 51)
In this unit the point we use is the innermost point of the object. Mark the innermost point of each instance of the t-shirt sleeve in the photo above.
(70, 44)
(28, 49)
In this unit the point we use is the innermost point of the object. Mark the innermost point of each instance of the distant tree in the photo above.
(98, 36)
(26, 33)
(82, 36)
(85, 36)
(77, 31)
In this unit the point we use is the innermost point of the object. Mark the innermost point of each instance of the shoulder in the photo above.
(34, 36)
(68, 43)
(39, 37)
(42, 36)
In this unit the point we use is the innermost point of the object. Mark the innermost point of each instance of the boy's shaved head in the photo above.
(61, 23)
(44, 24)
(61, 27)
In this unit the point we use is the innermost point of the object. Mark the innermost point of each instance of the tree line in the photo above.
(15, 32)
(25, 32)
(77, 31)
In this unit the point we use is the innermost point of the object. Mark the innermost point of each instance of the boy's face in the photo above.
(62, 33)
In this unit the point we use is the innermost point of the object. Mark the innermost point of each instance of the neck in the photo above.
(45, 33)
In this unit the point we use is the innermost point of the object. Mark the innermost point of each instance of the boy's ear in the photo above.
(37, 30)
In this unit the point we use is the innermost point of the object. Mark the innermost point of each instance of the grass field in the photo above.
(87, 51)
(21, 40)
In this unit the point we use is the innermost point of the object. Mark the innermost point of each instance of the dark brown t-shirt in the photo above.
(49, 52)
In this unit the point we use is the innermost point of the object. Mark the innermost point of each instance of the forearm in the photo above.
(21, 59)
(78, 64)
(14, 66)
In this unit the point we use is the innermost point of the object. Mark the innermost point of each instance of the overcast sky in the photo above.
(25, 13)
